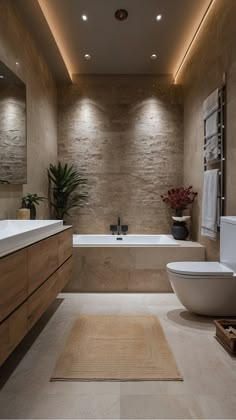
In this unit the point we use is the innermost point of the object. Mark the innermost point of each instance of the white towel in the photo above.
(210, 204)
(211, 103)
(211, 150)
(212, 125)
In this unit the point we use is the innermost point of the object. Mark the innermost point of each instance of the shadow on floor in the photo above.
(188, 319)
(18, 354)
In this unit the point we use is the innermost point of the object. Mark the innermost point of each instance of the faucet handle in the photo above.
(124, 229)
(113, 229)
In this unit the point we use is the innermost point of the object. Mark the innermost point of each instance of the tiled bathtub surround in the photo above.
(125, 133)
(129, 269)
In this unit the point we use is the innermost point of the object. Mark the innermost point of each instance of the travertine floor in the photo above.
(208, 390)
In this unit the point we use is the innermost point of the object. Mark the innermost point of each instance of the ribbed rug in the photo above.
(116, 348)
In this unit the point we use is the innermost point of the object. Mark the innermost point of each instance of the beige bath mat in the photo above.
(116, 348)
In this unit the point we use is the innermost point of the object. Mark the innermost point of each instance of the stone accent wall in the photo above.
(213, 54)
(17, 45)
(13, 162)
(125, 133)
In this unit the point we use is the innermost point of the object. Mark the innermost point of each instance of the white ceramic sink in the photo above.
(15, 234)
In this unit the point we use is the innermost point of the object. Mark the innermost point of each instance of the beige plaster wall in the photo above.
(213, 54)
(16, 45)
(125, 133)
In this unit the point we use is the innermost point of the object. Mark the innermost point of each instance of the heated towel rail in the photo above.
(219, 161)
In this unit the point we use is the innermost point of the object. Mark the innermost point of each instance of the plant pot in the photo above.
(32, 209)
(180, 231)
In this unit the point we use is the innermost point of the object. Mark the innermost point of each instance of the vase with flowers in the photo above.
(179, 199)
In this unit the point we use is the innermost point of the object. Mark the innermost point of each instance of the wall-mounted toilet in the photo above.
(209, 288)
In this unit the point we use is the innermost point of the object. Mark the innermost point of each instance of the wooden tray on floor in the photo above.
(227, 339)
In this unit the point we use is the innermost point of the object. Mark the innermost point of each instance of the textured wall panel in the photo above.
(126, 135)
(13, 158)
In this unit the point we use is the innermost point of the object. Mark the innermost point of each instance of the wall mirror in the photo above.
(13, 144)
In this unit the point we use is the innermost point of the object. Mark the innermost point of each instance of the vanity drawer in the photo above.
(18, 326)
(12, 331)
(64, 274)
(39, 301)
(65, 245)
(42, 262)
(4, 341)
(13, 282)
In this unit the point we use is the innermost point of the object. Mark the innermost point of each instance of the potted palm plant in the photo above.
(179, 199)
(65, 192)
(29, 201)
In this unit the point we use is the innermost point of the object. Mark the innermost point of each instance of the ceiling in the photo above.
(115, 47)
(8, 77)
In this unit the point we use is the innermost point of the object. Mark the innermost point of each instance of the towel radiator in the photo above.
(220, 161)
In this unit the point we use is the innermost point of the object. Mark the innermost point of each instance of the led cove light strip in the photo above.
(193, 40)
(56, 35)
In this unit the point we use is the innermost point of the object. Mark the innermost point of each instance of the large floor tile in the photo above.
(218, 407)
(103, 406)
(159, 407)
(209, 372)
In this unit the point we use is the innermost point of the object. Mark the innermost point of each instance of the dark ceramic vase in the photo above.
(180, 231)
(32, 209)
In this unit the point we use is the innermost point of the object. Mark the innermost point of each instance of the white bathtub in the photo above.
(123, 240)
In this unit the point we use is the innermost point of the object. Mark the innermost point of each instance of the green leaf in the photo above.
(64, 184)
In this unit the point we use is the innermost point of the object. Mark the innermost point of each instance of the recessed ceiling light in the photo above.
(87, 56)
(159, 17)
(84, 18)
(121, 14)
(153, 57)
(17, 63)
(1, 76)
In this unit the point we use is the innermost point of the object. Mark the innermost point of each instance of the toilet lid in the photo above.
(198, 268)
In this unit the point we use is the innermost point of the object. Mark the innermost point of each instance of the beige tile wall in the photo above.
(16, 44)
(123, 269)
(213, 54)
(125, 133)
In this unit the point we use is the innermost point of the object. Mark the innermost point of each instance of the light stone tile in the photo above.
(216, 381)
(159, 407)
(158, 257)
(60, 406)
(208, 371)
(117, 269)
(85, 388)
(154, 388)
(218, 407)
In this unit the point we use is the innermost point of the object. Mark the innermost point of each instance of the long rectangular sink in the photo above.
(16, 234)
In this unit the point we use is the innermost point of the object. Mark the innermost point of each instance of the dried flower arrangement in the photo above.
(179, 199)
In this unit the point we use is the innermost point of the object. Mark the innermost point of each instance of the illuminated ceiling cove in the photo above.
(153, 39)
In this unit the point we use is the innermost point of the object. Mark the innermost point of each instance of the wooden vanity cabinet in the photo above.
(13, 282)
(30, 280)
(39, 301)
(43, 260)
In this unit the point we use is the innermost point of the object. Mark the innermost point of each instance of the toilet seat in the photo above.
(200, 268)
